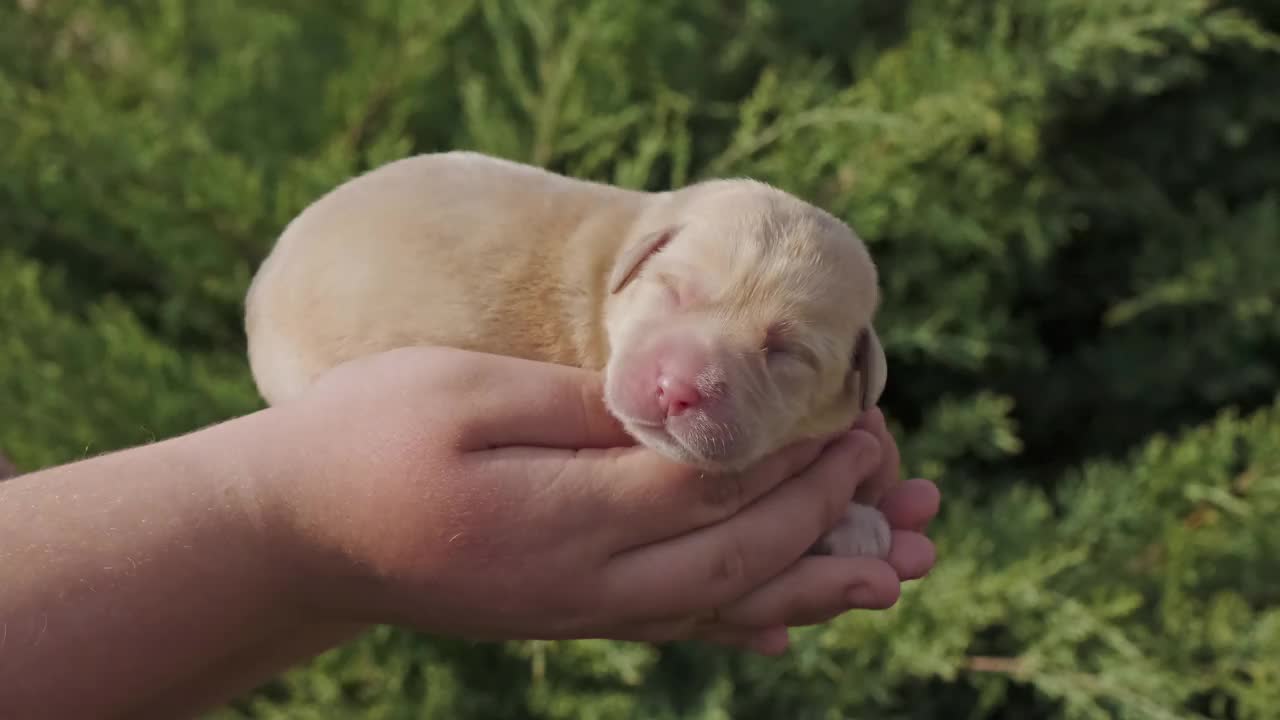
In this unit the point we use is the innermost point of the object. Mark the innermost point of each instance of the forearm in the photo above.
(133, 572)
(234, 675)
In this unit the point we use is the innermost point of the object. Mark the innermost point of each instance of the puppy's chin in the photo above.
(720, 455)
(660, 440)
(703, 443)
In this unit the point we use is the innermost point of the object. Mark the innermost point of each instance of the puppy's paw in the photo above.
(862, 532)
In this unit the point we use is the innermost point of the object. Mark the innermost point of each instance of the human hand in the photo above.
(494, 498)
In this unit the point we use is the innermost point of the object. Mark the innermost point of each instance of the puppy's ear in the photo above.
(634, 255)
(871, 368)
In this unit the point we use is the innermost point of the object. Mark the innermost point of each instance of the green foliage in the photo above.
(1075, 205)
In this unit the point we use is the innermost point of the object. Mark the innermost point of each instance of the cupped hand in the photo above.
(807, 594)
(488, 497)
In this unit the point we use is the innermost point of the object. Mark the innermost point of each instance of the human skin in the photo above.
(425, 488)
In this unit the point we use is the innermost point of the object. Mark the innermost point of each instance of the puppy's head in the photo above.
(739, 320)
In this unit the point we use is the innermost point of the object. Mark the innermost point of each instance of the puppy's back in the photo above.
(457, 249)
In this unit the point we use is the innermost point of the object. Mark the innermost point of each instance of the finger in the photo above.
(911, 505)
(869, 419)
(523, 402)
(912, 555)
(715, 565)
(764, 639)
(816, 589)
(770, 641)
(645, 497)
(875, 487)
(657, 499)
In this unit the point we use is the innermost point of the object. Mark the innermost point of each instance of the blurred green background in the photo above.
(1075, 206)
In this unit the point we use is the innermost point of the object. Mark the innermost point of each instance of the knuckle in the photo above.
(723, 494)
(730, 566)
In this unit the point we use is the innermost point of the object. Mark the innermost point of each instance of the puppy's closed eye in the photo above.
(780, 345)
(635, 254)
(679, 291)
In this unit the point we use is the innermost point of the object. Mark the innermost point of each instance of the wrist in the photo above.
(296, 507)
(259, 485)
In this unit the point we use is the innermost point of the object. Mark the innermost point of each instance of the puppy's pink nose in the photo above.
(676, 396)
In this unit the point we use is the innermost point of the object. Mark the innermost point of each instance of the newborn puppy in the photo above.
(729, 318)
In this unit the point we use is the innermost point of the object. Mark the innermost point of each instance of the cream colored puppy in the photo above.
(729, 317)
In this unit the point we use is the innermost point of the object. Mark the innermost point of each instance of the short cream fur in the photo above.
(728, 317)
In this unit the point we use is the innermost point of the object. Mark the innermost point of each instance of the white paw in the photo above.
(862, 532)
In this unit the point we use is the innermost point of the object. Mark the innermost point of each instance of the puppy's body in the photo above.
(729, 318)
(455, 249)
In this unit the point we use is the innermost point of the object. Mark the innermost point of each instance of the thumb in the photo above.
(526, 402)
